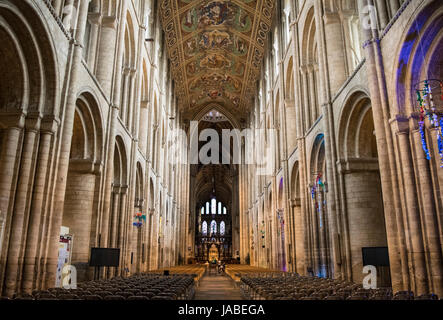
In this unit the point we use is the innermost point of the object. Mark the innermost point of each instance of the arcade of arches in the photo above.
(92, 93)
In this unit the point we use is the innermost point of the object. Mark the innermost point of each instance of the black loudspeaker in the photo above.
(375, 256)
(104, 257)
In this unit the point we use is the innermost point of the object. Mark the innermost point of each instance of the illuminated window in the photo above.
(222, 228)
(205, 228)
(213, 206)
(213, 227)
(207, 207)
(219, 211)
(224, 210)
(203, 210)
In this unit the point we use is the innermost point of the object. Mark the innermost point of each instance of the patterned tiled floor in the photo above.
(217, 287)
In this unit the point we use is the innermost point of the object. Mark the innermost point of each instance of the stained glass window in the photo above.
(203, 210)
(222, 228)
(224, 210)
(219, 211)
(207, 207)
(213, 206)
(205, 228)
(213, 227)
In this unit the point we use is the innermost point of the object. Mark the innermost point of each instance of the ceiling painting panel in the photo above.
(216, 50)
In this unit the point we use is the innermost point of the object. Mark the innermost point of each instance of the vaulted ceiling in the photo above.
(216, 50)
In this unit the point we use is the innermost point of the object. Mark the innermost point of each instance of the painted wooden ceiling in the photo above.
(216, 50)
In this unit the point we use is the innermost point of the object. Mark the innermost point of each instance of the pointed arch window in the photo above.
(204, 228)
(207, 207)
(213, 206)
(224, 210)
(219, 211)
(222, 228)
(213, 227)
(203, 210)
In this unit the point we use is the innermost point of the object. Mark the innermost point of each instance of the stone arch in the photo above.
(357, 124)
(309, 70)
(120, 162)
(297, 251)
(420, 47)
(215, 106)
(143, 125)
(420, 58)
(136, 235)
(28, 93)
(30, 85)
(129, 72)
(118, 211)
(84, 171)
(88, 114)
(139, 186)
(364, 219)
(289, 109)
(319, 262)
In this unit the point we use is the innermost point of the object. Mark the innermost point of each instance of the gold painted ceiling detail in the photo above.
(216, 49)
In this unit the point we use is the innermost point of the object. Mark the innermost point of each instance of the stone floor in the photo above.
(217, 287)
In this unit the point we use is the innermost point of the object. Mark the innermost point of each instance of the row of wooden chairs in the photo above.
(291, 286)
(137, 287)
(196, 270)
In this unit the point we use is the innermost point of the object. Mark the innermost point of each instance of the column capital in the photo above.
(400, 123)
(124, 189)
(116, 188)
(110, 22)
(95, 18)
(331, 17)
(50, 124)
(13, 120)
(126, 70)
(33, 122)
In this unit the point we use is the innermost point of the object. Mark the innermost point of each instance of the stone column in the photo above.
(429, 218)
(416, 251)
(18, 224)
(382, 13)
(57, 4)
(109, 174)
(106, 53)
(34, 228)
(7, 166)
(122, 231)
(115, 216)
(8, 171)
(377, 87)
(125, 95)
(65, 146)
(312, 94)
(335, 51)
(306, 102)
(323, 235)
(94, 19)
(131, 100)
(299, 237)
(143, 127)
(395, 5)
(315, 237)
